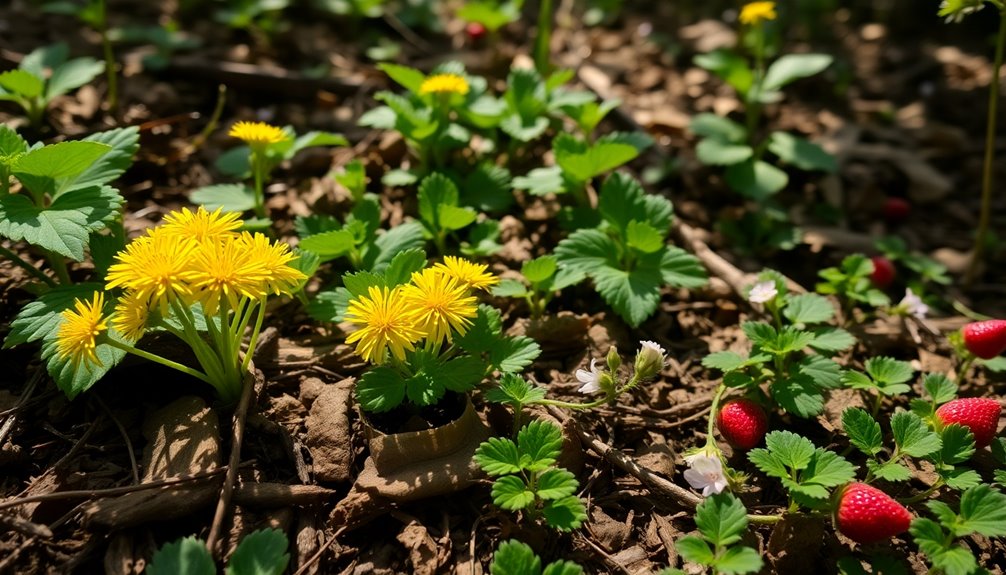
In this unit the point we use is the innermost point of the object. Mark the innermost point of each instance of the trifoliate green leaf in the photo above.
(939, 388)
(539, 269)
(695, 550)
(622, 200)
(958, 444)
(633, 295)
(831, 339)
(961, 478)
(912, 436)
(738, 560)
(863, 431)
(515, 390)
(263, 552)
(511, 493)
(793, 451)
(889, 471)
(498, 456)
(514, 353)
(887, 371)
(827, 469)
(539, 444)
(983, 510)
(515, 558)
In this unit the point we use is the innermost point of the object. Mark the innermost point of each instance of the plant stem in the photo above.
(543, 41)
(924, 494)
(963, 371)
(112, 97)
(16, 260)
(713, 410)
(254, 336)
(258, 166)
(59, 266)
(990, 140)
(212, 124)
(158, 359)
(753, 105)
(572, 405)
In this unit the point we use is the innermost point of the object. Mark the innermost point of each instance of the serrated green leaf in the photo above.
(380, 389)
(801, 153)
(643, 237)
(228, 197)
(124, 143)
(928, 535)
(452, 218)
(724, 361)
(65, 225)
(820, 372)
(461, 374)
(424, 388)
(808, 308)
(262, 552)
(556, 483)
(912, 436)
(961, 478)
(958, 444)
(359, 283)
(511, 493)
(401, 238)
(739, 560)
(565, 514)
(956, 561)
(498, 456)
(939, 388)
(863, 431)
(792, 450)
(887, 370)
(798, 395)
(541, 181)
(828, 469)
(509, 287)
(679, 268)
(483, 335)
(487, 188)
(329, 245)
(983, 510)
(436, 191)
(561, 567)
(515, 390)
(622, 200)
(513, 354)
(831, 339)
(760, 333)
(187, 556)
(716, 152)
(403, 265)
(539, 444)
(722, 519)
(515, 558)
(39, 169)
(695, 549)
(409, 78)
(768, 463)
(633, 295)
(889, 471)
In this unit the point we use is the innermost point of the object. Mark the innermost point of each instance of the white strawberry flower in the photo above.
(705, 472)
(762, 292)
(913, 304)
(591, 380)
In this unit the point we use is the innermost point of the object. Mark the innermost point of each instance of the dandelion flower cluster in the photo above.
(257, 133)
(444, 84)
(755, 13)
(194, 257)
(434, 306)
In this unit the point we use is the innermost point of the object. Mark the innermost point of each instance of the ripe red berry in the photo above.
(476, 31)
(866, 514)
(896, 210)
(979, 414)
(883, 272)
(986, 339)
(742, 423)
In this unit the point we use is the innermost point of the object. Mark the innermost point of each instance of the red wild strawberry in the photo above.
(979, 414)
(476, 31)
(883, 272)
(742, 423)
(866, 514)
(986, 339)
(896, 210)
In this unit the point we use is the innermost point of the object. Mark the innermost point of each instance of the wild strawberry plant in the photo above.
(982, 511)
(722, 521)
(43, 75)
(516, 558)
(262, 552)
(807, 472)
(527, 478)
(538, 285)
(625, 254)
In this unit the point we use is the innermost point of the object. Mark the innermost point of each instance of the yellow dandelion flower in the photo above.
(387, 324)
(444, 84)
(226, 269)
(257, 133)
(76, 340)
(130, 317)
(754, 13)
(275, 259)
(442, 304)
(201, 225)
(472, 275)
(157, 266)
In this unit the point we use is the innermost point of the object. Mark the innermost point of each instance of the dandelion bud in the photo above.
(649, 360)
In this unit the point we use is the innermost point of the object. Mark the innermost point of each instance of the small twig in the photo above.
(110, 492)
(608, 559)
(125, 437)
(25, 526)
(8, 423)
(321, 551)
(9, 559)
(232, 473)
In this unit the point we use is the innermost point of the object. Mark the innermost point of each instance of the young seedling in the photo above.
(627, 255)
(263, 552)
(722, 521)
(32, 88)
(540, 284)
(439, 210)
(805, 471)
(94, 13)
(982, 511)
(884, 376)
(516, 558)
(527, 479)
(852, 283)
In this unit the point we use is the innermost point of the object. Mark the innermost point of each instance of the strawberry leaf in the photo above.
(912, 436)
(863, 431)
